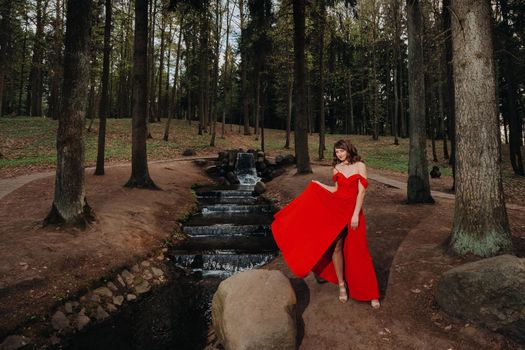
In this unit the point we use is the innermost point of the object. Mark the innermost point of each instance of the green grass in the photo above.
(26, 142)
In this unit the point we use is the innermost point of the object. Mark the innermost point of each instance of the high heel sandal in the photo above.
(375, 304)
(343, 298)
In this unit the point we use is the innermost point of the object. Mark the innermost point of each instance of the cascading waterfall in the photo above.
(245, 169)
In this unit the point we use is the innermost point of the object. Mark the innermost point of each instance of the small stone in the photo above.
(142, 287)
(120, 280)
(112, 286)
(160, 257)
(95, 298)
(118, 300)
(59, 321)
(147, 275)
(103, 292)
(135, 268)
(415, 290)
(145, 263)
(101, 313)
(111, 308)
(448, 328)
(81, 321)
(14, 342)
(68, 307)
(164, 250)
(157, 272)
(82, 312)
(131, 297)
(128, 277)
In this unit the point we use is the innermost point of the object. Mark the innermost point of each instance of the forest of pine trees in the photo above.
(422, 69)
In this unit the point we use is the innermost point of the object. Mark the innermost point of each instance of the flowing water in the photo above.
(230, 233)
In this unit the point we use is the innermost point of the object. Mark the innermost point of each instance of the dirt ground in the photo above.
(406, 244)
(39, 267)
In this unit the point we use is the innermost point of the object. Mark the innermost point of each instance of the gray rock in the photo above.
(120, 280)
(103, 292)
(14, 342)
(157, 272)
(101, 313)
(259, 188)
(145, 263)
(135, 268)
(188, 152)
(95, 298)
(59, 321)
(128, 277)
(279, 159)
(118, 300)
(68, 307)
(142, 288)
(147, 275)
(289, 159)
(232, 178)
(489, 291)
(200, 162)
(81, 321)
(112, 286)
(255, 310)
(111, 307)
(131, 297)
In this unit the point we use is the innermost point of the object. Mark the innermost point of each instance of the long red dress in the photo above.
(306, 227)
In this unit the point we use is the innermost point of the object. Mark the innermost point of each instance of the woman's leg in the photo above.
(337, 258)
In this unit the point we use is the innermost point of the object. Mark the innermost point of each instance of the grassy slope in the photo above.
(26, 142)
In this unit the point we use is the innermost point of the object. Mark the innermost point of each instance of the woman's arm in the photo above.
(328, 188)
(361, 168)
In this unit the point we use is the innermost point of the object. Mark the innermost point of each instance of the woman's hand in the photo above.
(354, 222)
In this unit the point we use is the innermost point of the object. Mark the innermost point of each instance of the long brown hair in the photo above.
(350, 149)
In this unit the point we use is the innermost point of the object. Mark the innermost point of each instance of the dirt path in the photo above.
(406, 246)
(39, 267)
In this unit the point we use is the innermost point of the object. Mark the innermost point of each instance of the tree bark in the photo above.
(69, 203)
(480, 219)
(300, 131)
(104, 100)
(5, 44)
(139, 162)
(322, 17)
(176, 77)
(36, 79)
(56, 64)
(418, 188)
(289, 115)
(451, 108)
(514, 119)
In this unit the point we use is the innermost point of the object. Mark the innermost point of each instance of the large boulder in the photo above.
(489, 291)
(255, 310)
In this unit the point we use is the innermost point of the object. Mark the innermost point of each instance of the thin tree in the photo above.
(104, 99)
(69, 203)
(481, 225)
(175, 79)
(139, 162)
(418, 189)
(36, 74)
(6, 14)
(301, 123)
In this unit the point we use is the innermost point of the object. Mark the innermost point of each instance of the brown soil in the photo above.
(39, 267)
(406, 244)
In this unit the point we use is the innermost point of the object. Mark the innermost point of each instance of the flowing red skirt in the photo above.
(306, 228)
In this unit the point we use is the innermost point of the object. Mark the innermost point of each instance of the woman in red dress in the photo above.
(323, 230)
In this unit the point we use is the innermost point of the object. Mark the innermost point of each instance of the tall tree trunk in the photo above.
(480, 226)
(56, 62)
(418, 189)
(22, 71)
(451, 108)
(36, 79)
(104, 99)
(300, 131)
(257, 103)
(322, 17)
(515, 126)
(5, 43)
(244, 84)
(227, 77)
(151, 64)
(214, 96)
(289, 115)
(139, 160)
(402, 109)
(69, 203)
(158, 108)
(176, 77)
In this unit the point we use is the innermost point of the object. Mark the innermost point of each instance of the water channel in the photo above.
(230, 233)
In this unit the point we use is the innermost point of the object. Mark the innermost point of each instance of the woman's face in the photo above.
(341, 154)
